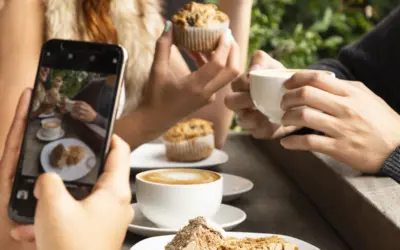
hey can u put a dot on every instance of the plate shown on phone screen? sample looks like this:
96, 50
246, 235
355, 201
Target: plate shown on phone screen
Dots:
69, 172
152, 156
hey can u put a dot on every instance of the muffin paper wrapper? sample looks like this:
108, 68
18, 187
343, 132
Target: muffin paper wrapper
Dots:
190, 150
199, 39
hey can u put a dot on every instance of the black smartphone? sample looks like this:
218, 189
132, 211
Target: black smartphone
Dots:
70, 121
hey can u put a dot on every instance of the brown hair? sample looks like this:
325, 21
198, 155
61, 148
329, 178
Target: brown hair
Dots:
97, 20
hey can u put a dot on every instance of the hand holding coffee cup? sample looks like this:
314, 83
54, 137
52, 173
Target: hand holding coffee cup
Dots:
51, 127
267, 89
171, 197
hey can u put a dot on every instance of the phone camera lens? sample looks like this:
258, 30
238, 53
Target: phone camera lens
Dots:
48, 54
92, 58
115, 60
70, 56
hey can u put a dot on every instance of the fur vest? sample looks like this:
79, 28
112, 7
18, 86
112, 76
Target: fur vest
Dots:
136, 21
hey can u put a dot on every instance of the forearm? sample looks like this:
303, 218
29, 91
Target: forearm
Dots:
219, 115
22, 21
239, 12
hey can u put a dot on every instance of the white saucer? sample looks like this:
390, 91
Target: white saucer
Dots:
41, 137
158, 243
152, 156
228, 217
234, 187
43, 115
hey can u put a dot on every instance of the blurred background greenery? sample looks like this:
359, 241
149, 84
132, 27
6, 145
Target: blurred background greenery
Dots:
300, 32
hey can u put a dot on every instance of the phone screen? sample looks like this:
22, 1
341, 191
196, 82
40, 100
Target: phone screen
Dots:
69, 121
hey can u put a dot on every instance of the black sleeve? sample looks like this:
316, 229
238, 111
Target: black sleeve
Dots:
391, 167
373, 60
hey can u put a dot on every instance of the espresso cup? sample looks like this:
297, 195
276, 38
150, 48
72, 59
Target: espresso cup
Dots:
171, 197
266, 89
51, 127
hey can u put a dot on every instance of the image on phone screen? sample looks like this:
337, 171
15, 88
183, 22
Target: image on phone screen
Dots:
68, 126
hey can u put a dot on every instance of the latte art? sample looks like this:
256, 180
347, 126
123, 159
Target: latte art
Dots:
181, 177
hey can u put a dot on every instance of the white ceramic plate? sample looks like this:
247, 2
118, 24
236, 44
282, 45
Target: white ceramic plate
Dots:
73, 172
158, 243
41, 137
234, 187
152, 156
228, 217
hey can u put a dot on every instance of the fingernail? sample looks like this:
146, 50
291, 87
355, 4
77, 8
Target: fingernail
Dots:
15, 235
167, 26
255, 67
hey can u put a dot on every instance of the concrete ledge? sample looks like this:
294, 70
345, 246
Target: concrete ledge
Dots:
365, 211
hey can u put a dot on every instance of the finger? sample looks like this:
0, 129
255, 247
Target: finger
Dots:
239, 100
163, 49
23, 233
253, 119
219, 59
14, 138
311, 142
318, 80
50, 188
228, 74
261, 60
312, 97
242, 83
115, 176
199, 58
314, 119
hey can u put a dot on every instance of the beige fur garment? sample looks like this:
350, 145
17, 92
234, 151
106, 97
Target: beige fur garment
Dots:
137, 23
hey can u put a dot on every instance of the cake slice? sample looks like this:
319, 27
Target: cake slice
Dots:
197, 235
264, 243
58, 156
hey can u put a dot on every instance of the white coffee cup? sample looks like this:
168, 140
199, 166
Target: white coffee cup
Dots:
171, 197
69, 105
266, 89
51, 127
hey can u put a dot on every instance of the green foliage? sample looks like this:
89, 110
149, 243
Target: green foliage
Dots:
298, 33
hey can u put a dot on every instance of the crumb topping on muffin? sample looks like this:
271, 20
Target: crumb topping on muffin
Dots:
199, 15
188, 130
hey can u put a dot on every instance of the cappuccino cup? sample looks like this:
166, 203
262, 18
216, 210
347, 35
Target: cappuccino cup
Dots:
266, 89
51, 127
171, 197
69, 105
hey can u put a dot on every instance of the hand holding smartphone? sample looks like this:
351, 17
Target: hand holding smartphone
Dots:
70, 120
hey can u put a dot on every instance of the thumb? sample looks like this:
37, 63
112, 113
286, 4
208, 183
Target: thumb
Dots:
23, 233
50, 188
163, 48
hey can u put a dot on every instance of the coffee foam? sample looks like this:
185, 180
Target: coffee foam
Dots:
181, 177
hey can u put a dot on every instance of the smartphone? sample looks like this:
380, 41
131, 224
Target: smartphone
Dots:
70, 121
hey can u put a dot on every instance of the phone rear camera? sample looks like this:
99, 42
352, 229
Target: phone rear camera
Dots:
92, 58
70, 56
48, 53
115, 60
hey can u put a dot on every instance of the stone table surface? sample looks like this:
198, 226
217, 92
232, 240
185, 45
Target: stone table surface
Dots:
275, 205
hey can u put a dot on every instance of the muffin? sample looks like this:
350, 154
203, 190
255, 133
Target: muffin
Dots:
198, 27
189, 141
